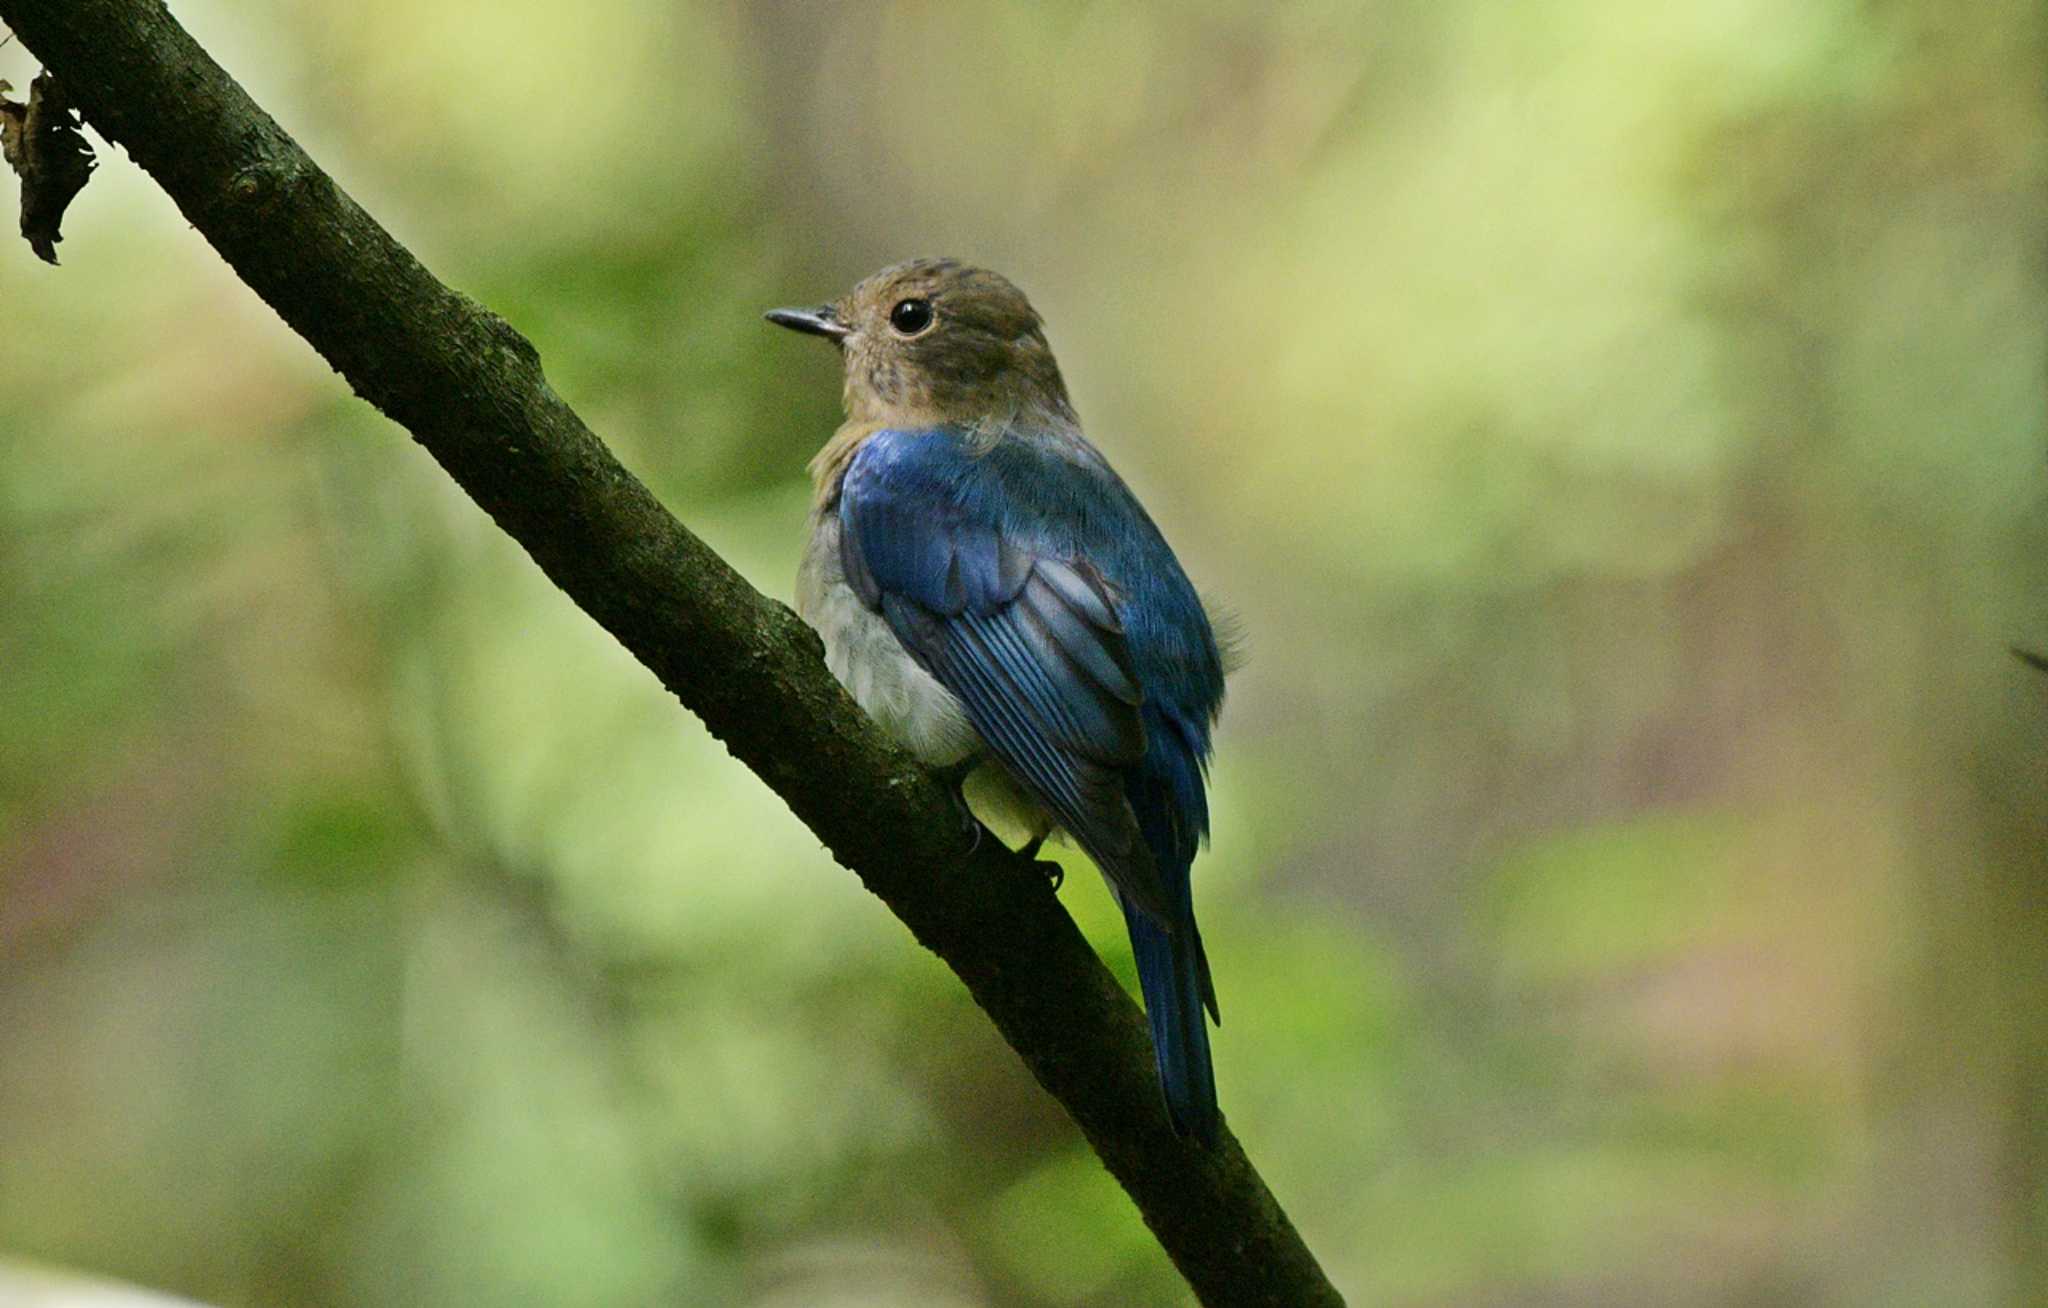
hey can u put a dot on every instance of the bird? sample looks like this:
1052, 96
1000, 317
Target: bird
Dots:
994, 596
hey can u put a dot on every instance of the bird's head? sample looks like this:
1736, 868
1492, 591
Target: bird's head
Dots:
934, 340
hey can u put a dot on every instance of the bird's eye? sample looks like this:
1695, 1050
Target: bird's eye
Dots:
910, 317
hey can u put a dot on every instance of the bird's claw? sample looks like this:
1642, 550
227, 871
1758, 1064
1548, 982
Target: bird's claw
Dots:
1051, 871
970, 825
955, 777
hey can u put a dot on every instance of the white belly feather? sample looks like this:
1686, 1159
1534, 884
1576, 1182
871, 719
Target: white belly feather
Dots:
909, 704
872, 664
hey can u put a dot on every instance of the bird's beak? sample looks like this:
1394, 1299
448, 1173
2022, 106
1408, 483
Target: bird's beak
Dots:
821, 321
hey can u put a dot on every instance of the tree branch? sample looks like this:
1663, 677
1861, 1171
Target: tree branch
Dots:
470, 390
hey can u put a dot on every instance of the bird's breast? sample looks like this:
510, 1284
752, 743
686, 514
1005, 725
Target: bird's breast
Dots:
872, 664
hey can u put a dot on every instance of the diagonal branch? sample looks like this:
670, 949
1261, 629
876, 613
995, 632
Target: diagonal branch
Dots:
470, 390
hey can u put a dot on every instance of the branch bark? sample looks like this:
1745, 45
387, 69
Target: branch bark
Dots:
470, 390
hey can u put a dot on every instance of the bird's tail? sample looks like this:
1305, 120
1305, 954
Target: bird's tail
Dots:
1175, 978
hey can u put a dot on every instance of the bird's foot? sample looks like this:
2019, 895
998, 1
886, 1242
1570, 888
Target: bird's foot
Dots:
955, 777
1054, 874
1048, 869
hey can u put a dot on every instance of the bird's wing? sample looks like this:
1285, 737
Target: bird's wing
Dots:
1024, 633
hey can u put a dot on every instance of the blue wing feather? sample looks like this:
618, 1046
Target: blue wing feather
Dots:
1026, 578
1045, 679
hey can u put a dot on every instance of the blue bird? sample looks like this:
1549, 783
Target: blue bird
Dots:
991, 592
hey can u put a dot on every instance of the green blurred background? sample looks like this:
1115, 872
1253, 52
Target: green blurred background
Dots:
1622, 429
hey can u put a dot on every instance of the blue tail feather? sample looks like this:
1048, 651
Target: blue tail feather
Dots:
1170, 972
1166, 794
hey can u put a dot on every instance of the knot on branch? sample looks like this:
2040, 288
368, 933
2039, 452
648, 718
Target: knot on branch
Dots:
267, 183
511, 344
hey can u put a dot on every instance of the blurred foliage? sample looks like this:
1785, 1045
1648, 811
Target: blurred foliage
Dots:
1621, 429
